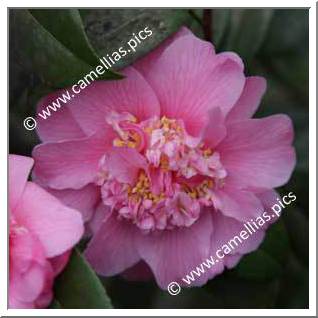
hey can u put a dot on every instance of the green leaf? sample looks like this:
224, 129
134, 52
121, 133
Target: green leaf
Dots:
221, 23
41, 52
56, 21
288, 33
79, 287
294, 286
110, 29
267, 262
55, 305
228, 291
259, 266
276, 243
248, 28
298, 230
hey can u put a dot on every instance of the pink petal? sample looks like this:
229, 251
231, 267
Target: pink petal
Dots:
200, 80
239, 204
112, 249
132, 94
83, 200
59, 262
258, 152
234, 57
17, 304
70, 164
125, 163
29, 269
19, 169
250, 99
215, 130
230, 261
226, 229
102, 213
26, 287
58, 227
268, 199
173, 254
45, 298
61, 125
146, 62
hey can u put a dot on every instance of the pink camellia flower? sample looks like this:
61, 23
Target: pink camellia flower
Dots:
42, 232
169, 158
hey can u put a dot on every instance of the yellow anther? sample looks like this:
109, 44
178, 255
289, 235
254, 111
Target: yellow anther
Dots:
148, 130
131, 144
193, 194
164, 162
119, 143
207, 152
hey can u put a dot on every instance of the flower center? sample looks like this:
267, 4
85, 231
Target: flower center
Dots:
181, 174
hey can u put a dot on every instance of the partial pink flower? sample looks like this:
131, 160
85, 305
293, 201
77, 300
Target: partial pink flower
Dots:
42, 233
177, 161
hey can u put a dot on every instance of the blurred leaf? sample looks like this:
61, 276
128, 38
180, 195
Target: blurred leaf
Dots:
38, 50
302, 146
109, 29
195, 23
276, 243
232, 292
298, 231
248, 28
126, 294
285, 50
56, 21
221, 23
197, 298
294, 287
266, 262
79, 287
55, 305
288, 33
259, 266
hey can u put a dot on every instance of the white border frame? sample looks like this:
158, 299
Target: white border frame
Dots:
312, 161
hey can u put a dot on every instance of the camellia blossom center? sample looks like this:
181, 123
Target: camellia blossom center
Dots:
178, 179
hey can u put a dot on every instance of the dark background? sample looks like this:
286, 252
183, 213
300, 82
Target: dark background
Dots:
272, 43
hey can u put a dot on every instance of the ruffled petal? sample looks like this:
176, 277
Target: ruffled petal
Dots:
19, 169
57, 227
227, 229
258, 152
215, 130
83, 200
125, 163
145, 63
239, 204
199, 81
61, 124
70, 164
250, 99
131, 94
112, 249
173, 254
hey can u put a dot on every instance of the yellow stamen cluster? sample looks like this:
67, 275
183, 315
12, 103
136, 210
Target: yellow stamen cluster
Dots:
207, 153
164, 163
199, 191
142, 190
132, 141
169, 124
